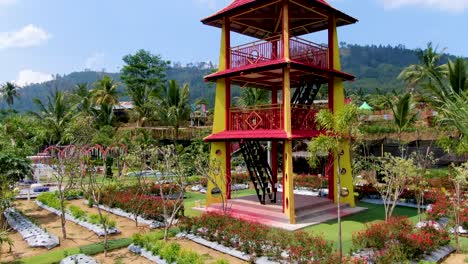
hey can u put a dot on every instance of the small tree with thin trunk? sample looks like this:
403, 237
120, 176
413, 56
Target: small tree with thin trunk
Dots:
95, 183
397, 175
66, 172
210, 170
459, 181
338, 129
165, 162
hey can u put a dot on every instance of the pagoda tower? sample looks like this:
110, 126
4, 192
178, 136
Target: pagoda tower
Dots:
293, 69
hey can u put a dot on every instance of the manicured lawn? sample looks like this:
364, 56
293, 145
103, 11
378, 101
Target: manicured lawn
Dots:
193, 198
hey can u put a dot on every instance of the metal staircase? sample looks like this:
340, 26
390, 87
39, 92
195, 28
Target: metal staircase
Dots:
305, 94
255, 157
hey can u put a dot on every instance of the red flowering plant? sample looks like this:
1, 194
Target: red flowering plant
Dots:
310, 181
398, 238
240, 178
259, 240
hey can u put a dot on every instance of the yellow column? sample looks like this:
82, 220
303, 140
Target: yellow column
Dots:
218, 154
338, 103
288, 176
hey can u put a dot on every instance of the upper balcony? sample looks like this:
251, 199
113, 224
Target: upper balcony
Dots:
263, 52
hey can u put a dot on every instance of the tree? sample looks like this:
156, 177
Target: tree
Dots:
67, 172
397, 175
144, 75
339, 128
174, 108
9, 92
85, 104
252, 97
55, 115
165, 160
403, 116
105, 92
429, 63
459, 180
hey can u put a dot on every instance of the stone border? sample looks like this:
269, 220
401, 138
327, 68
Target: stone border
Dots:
223, 249
380, 201
92, 227
31, 233
78, 259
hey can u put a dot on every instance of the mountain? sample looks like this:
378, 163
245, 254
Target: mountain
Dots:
374, 66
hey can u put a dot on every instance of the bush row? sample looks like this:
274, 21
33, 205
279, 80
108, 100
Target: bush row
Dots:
397, 240
259, 240
51, 199
169, 251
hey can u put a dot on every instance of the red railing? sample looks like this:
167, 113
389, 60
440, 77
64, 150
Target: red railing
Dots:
307, 52
263, 51
270, 117
255, 118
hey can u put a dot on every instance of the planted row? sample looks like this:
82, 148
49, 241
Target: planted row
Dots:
398, 240
259, 240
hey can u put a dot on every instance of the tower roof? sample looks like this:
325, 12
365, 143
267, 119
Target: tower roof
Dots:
262, 18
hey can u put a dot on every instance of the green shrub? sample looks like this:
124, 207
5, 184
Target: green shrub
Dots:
97, 248
221, 261
73, 194
94, 219
76, 212
50, 199
156, 247
97, 220
170, 252
137, 239
189, 257
90, 202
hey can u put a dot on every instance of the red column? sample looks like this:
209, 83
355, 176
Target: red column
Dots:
331, 94
228, 108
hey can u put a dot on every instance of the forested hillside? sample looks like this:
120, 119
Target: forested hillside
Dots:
374, 67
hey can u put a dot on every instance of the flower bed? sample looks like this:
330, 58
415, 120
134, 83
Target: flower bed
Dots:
397, 240
74, 214
31, 233
258, 240
152, 247
147, 206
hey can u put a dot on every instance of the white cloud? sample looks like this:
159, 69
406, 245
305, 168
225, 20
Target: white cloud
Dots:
447, 5
26, 77
95, 61
28, 36
210, 4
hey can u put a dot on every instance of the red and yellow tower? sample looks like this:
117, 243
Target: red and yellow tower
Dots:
293, 69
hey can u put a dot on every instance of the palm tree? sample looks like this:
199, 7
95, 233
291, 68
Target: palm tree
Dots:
429, 62
105, 92
174, 108
339, 128
253, 96
55, 114
9, 92
403, 115
85, 104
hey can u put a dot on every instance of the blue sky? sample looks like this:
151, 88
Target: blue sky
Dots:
43, 37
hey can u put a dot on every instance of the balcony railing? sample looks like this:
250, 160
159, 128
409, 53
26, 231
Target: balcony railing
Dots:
263, 51
270, 117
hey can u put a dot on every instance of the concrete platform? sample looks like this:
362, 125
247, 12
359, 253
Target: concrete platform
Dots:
310, 211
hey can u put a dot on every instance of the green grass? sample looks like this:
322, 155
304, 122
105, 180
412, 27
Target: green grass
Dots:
437, 172
193, 198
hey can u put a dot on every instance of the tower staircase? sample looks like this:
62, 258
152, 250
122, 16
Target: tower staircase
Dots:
306, 92
261, 175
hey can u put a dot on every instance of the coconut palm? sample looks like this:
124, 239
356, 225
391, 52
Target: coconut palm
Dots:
105, 92
85, 104
403, 115
252, 96
339, 128
174, 108
55, 114
429, 62
9, 92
